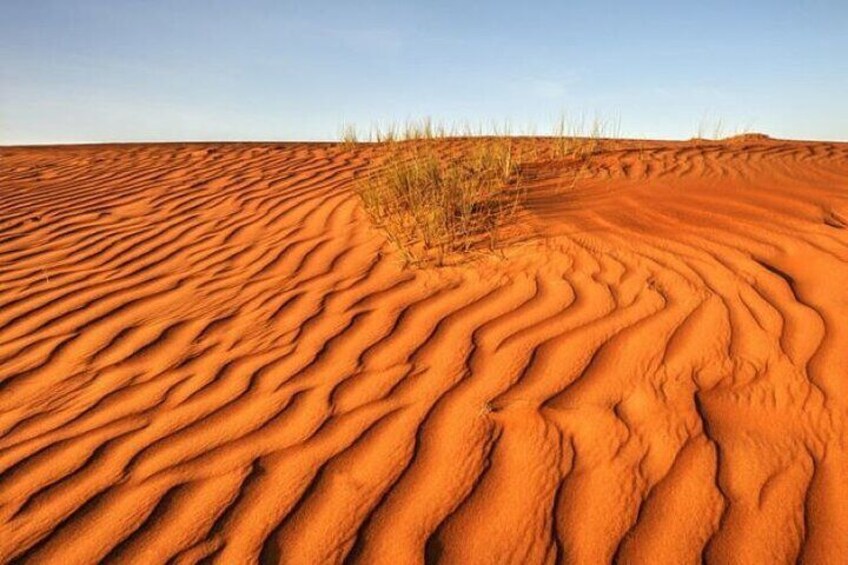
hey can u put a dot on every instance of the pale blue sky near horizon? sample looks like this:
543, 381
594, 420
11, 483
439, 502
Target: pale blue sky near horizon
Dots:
134, 70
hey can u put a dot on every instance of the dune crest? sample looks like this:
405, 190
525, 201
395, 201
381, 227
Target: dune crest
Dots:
207, 352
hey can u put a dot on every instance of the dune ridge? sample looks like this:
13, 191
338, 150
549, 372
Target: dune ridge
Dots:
207, 354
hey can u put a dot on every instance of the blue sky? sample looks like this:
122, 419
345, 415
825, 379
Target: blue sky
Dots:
110, 70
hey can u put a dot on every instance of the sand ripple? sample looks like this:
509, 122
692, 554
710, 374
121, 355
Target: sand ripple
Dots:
206, 352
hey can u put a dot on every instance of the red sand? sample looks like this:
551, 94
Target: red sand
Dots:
207, 351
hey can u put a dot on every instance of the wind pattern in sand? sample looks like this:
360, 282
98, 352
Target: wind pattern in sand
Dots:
207, 353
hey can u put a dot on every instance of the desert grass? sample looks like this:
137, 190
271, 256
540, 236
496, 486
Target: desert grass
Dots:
715, 131
710, 132
443, 193
573, 142
578, 139
349, 136
438, 197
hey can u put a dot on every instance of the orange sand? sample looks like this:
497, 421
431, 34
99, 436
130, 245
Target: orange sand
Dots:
206, 351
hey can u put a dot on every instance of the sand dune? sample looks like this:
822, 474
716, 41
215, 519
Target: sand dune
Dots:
208, 353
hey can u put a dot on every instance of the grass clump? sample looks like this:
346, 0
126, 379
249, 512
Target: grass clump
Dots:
437, 197
441, 193
349, 136
574, 139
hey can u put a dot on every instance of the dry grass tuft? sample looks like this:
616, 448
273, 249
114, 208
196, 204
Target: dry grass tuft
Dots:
573, 139
441, 193
349, 136
437, 197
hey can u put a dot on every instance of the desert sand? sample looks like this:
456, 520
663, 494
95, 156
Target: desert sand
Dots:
208, 353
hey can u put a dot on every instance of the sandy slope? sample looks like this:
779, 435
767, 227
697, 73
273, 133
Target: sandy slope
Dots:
207, 352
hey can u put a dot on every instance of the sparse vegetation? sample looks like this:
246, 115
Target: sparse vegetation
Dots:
349, 135
717, 131
712, 129
440, 193
573, 139
436, 199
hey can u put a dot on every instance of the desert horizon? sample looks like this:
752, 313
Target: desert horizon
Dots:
423, 282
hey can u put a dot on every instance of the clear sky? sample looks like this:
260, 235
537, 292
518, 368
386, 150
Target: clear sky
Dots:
102, 70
